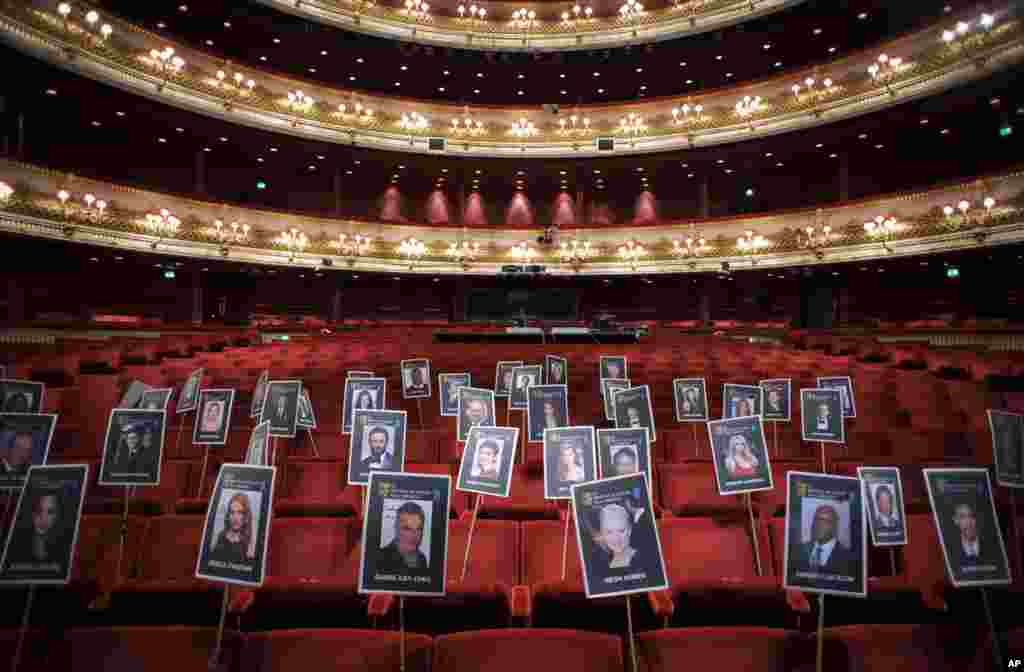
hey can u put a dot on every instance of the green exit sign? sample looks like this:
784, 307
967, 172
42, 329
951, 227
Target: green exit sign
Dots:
1005, 131
952, 272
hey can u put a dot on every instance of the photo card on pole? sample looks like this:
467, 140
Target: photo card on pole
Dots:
377, 444
404, 549
556, 370
476, 409
132, 394
233, 548
741, 400
41, 540
523, 377
691, 399
613, 366
281, 407
25, 440
21, 396
503, 377
740, 454
569, 458
189, 396
883, 496
777, 394
625, 451
1007, 431
609, 386
487, 459
307, 416
547, 407
133, 447
363, 394
259, 394
844, 383
968, 525
821, 415
156, 399
618, 542
415, 378
259, 445
633, 409
448, 385
213, 417
826, 537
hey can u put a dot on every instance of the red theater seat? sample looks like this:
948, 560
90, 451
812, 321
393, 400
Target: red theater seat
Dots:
525, 501
690, 489
316, 488
341, 650
511, 649
920, 648
741, 649
171, 648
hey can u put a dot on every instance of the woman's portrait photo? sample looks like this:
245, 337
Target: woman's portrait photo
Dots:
547, 407
233, 538
740, 456
366, 394
213, 418
569, 458
740, 461
487, 459
21, 396
236, 531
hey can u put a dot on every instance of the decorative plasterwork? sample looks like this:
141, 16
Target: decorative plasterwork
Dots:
928, 65
920, 226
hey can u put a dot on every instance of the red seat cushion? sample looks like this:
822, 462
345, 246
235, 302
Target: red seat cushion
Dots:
372, 650
509, 650
740, 649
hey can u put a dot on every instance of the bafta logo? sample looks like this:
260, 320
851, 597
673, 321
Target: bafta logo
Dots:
385, 488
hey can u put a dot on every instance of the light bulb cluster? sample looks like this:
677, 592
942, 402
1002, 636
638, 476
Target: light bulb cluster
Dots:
574, 125
236, 83
355, 113
691, 246
93, 206
524, 18
882, 226
232, 233
578, 13
417, 9
297, 101
813, 87
412, 250
474, 12
751, 241
632, 124
293, 240
468, 126
631, 10
964, 208
749, 105
688, 114
103, 31
632, 253
523, 252
463, 252
523, 128
352, 245
413, 121
163, 223
165, 61
885, 67
576, 252
954, 35
816, 236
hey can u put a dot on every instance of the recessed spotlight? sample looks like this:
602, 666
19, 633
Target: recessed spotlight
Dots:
768, 155
597, 74
689, 81
209, 43
690, 175
728, 75
312, 70
161, 25
277, 40
862, 16
476, 90
356, 162
944, 131
879, 146
597, 171
223, 139
359, 60
520, 76
778, 64
161, 140
263, 58
819, 146
947, 9
446, 73
401, 167
404, 68
323, 52
348, 172
833, 155
600, 90
351, 78
728, 171
643, 87
444, 170
259, 159
273, 149
562, 76
227, 24
767, 46
832, 50
779, 164
51, 92
563, 92
682, 64
480, 75
119, 113
96, 124
685, 165
182, 8
924, 121
720, 161
440, 89
519, 93
398, 83
863, 136
719, 57
639, 69
320, 157
207, 149
994, 101
311, 167
817, 31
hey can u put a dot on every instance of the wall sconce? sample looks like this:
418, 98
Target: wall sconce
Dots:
748, 106
417, 9
294, 241
632, 124
414, 122
463, 253
468, 126
522, 252
693, 245
814, 88
5, 192
751, 242
681, 115
521, 128
352, 246
576, 253
575, 125
355, 113
412, 250
632, 253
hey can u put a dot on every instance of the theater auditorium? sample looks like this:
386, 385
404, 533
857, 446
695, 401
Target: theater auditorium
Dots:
474, 335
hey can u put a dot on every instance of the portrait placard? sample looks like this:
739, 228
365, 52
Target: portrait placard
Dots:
503, 377
377, 444
307, 416
844, 383
281, 407
41, 542
620, 551
739, 401
569, 458
969, 531
777, 394
547, 407
133, 394
259, 445
24, 442
821, 415
633, 409
613, 366
740, 455
883, 495
237, 528
826, 538
360, 374
133, 448
368, 394
404, 547
556, 370
213, 421
21, 396
609, 386
691, 398
415, 378
259, 394
156, 399
487, 460
476, 409
1007, 447
522, 378
621, 452
189, 396
448, 385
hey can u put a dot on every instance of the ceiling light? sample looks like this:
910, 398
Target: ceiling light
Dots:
259, 159
161, 139
720, 161
879, 146
398, 83
446, 73
480, 75
440, 89
96, 124
277, 40
359, 60
719, 57
778, 64
817, 31
832, 50
768, 155
819, 146
323, 52
161, 25
51, 92
207, 149
600, 90
779, 164
597, 74
689, 81
728, 74
223, 139
351, 78
519, 92
944, 131
862, 16
476, 90
273, 149
312, 70
863, 136
520, 76
639, 69
563, 92
209, 43
767, 46
263, 58
682, 64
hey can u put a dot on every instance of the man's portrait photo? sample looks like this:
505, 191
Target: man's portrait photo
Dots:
633, 410
621, 452
133, 448
24, 441
776, 395
21, 396
547, 407
259, 443
236, 531
41, 541
476, 409
522, 378
189, 397
845, 385
740, 455
556, 370
487, 460
378, 444
361, 394
415, 378
281, 407
883, 494
691, 399
568, 459
609, 386
404, 543
156, 399
740, 401
259, 394
968, 525
503, 378
307, 417
448, 397
825, 549
613, 366
620, 551
213, 418
821, 415
1007, 431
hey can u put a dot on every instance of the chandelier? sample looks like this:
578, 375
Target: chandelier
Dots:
985, 22
632, 124
352, 246
812, 87
232, 234
631, 10
684, 110
577, 14
294, 241
576, 125
693, 245
412, 250
417, 9
240, 86
523, 252
298, 101
748, 105
575, 253
356, 112
163, 224
524, 18
165, 62
463, 253
467, 126
632, 252
414, 121
521, 128
964, 208
882, 227
885, 69
751, 242
475, 13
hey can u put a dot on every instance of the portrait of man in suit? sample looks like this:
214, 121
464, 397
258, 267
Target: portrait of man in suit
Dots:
970, 549
402, 554
381, 453
885, 517
824, 553
556, 372
18, 458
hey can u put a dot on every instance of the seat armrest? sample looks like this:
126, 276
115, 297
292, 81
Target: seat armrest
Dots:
521, 605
